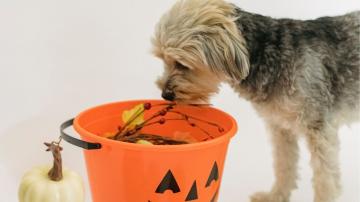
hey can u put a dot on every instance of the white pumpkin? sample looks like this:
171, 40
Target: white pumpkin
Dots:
36, 186
51, 183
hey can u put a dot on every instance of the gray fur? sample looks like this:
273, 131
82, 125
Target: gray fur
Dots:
303, 79
315, 62
301, 76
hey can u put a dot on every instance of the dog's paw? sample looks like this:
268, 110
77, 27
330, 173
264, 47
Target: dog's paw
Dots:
268, 197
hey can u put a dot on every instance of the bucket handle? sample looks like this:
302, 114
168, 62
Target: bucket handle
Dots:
74, 141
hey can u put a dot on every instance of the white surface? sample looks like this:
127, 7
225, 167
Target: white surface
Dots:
59, 57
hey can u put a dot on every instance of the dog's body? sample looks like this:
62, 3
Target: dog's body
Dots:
301, 76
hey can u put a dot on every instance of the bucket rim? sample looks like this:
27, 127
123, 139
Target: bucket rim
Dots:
132, 146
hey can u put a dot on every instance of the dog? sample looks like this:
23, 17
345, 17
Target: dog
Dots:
302, 77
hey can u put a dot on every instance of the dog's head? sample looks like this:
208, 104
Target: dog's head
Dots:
201, 46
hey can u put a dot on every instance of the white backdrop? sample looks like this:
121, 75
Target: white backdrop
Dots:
59, 57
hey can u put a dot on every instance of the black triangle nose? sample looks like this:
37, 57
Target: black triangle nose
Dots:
168, 95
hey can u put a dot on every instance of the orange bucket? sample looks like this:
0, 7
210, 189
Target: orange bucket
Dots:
127, 172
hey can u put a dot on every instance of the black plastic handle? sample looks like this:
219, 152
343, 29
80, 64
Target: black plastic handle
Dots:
74, 141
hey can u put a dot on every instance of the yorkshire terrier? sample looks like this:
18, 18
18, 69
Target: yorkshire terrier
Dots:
302, 77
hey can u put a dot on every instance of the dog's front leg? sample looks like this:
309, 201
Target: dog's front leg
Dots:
285, 166
324, 148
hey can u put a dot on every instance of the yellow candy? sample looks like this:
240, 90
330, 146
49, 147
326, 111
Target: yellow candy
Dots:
144, 142
128, 115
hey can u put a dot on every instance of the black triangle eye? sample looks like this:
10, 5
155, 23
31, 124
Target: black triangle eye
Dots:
168, 182
214, 175
193, 194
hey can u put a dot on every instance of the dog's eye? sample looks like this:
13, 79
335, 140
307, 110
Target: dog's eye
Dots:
180, 66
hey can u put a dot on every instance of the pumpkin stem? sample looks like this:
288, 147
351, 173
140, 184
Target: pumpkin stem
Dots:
55, 173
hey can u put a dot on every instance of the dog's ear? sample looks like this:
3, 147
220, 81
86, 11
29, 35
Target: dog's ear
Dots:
204, 33
226, 53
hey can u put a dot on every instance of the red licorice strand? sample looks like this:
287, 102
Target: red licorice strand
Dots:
197, 119
137, 114
131, 132
180, 119
157, 122
169, 106
163, 112
204, 131
197, 126
162, 104
165, 120
186, 118
155, 115
139, 127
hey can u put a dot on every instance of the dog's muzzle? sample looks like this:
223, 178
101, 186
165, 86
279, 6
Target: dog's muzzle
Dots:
168, 95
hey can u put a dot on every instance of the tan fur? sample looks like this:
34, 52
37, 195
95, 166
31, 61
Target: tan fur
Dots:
176, 39
202, 36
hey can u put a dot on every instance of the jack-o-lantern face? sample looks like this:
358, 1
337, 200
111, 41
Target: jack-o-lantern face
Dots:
169, 182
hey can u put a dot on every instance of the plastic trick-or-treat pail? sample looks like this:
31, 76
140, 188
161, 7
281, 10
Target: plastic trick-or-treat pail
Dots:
128, 172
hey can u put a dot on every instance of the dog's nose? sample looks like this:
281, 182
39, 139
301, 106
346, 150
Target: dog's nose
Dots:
168, 95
